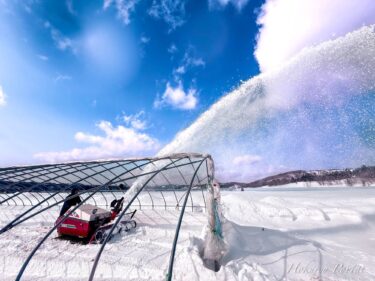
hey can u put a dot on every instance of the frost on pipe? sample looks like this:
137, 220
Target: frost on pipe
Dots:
173, 183
214, 246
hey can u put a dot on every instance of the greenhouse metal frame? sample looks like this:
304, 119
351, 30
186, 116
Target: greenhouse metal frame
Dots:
41, 187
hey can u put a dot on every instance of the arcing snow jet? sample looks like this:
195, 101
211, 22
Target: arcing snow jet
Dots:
315, 111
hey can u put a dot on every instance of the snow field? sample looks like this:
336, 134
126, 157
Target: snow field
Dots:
301, 233
271, 233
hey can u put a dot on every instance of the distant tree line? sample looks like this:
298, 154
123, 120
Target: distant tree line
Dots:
364, 175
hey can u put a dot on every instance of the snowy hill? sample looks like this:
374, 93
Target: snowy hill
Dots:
363, 176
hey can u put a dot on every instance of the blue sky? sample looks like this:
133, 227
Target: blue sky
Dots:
261, 85
67, 66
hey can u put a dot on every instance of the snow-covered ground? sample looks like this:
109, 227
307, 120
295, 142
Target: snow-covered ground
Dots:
272, 234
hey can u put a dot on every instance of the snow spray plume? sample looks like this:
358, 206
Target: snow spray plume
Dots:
288, 26
316, 111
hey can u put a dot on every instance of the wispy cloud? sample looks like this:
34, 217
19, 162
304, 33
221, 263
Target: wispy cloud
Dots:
172, 49
62, 42
215, 4
170, 11
180, 70
28, 9
189, 61
124, 8
62, 77
107, 3
69, 5
136, 121
114, 142
177, 97
2, 97
145, 39
42, 57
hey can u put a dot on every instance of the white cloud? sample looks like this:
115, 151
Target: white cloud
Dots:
124, 8
145, 39
28, 9
106, 4
190, 60
178, 98
69, 5
239, 4
288, 26
180, 70
2, 97
172, 49
196, 62
136, 121
43, 57
62, 77
120, 141
171, 11
62, 42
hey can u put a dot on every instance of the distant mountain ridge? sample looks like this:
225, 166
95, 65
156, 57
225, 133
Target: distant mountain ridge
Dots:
364, 176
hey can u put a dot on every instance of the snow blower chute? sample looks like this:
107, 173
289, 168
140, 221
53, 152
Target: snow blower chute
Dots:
92, 224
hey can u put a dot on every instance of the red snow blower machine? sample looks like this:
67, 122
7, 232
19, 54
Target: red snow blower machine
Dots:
91, 224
